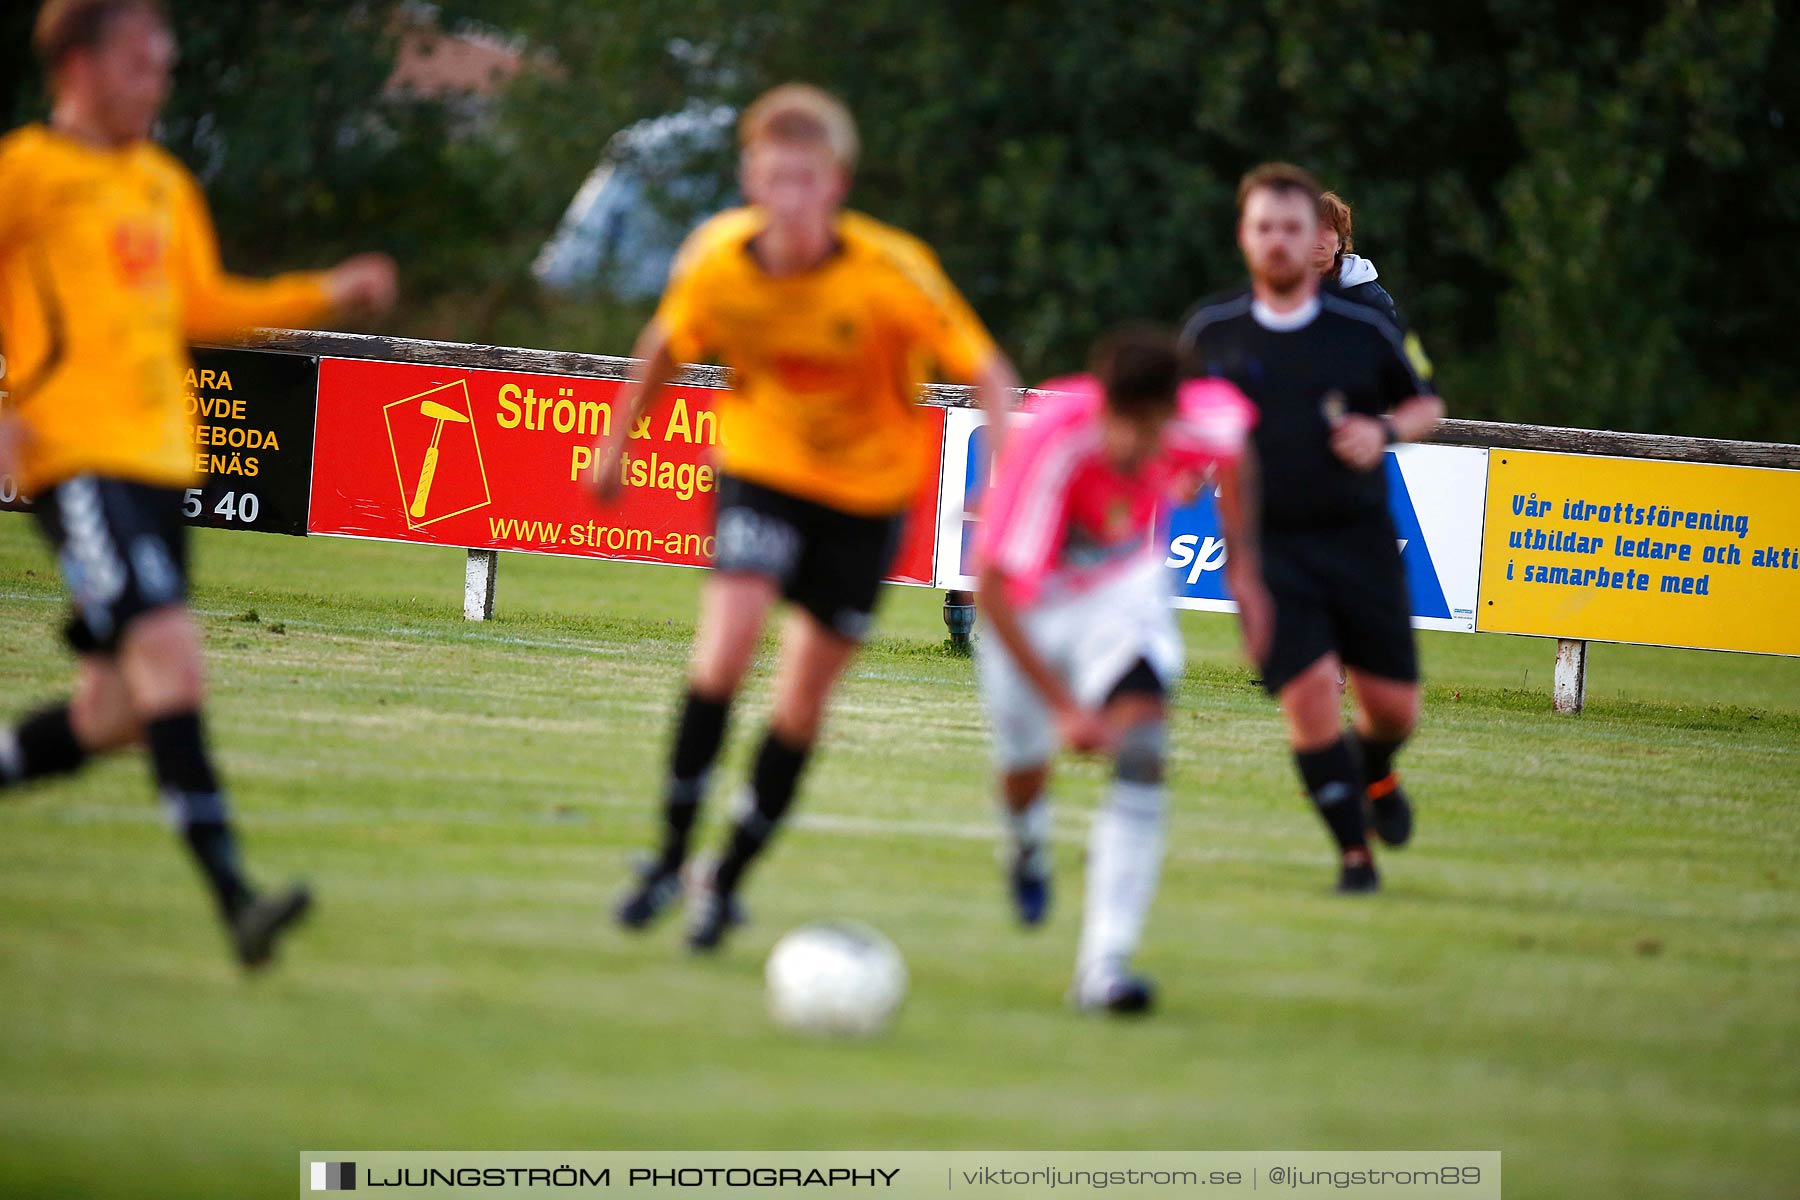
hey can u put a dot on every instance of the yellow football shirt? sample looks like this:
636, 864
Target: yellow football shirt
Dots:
827, 363
108, 267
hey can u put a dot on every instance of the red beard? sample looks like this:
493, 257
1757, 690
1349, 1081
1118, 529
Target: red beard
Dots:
1281, 275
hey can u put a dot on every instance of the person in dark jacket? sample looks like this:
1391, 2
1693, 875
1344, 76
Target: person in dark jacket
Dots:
1348, 275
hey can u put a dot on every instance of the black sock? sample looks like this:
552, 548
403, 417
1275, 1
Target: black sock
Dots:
778, 767
41, 744
699, 733
1335, 785
184, 775
1377, 756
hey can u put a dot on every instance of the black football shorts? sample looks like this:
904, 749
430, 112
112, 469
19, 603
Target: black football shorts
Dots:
828, 562
1340, 590
122, 548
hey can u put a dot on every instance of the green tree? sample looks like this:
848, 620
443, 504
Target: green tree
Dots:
1592, 213
1651, 221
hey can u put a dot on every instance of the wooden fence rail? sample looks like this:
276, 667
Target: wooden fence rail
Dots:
1493, 434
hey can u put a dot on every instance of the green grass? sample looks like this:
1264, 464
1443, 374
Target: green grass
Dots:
1589, 961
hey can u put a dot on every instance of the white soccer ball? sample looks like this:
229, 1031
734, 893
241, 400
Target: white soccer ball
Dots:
836, 977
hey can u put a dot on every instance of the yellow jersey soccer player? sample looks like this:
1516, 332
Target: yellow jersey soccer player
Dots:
829, 320
108, 266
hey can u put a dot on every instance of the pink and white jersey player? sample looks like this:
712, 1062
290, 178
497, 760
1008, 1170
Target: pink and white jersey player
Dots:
1080, 640
1062, 516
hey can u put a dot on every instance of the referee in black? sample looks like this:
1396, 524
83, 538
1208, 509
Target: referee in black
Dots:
1336, 383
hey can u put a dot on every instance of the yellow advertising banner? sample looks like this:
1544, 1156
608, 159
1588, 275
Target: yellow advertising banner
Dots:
1633, 550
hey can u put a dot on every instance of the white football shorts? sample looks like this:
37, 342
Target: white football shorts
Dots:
1090, 640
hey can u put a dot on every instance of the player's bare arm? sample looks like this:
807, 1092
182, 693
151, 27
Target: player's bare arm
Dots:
1417, 419
997, 389
1360, 440
658, 368
364, 284
1239, 494
12, 444
1081, 729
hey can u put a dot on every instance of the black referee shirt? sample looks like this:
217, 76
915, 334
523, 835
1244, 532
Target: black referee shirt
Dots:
1299, 368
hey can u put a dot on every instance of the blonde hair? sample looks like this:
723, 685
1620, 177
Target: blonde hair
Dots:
65, 26
801, 114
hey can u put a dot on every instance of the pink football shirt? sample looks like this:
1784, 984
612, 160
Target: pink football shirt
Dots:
1059, 518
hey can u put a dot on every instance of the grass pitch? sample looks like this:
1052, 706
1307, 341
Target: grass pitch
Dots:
1589, 960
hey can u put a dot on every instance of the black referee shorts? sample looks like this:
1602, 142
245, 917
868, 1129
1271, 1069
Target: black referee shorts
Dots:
122, 547
1338, 590
828, 562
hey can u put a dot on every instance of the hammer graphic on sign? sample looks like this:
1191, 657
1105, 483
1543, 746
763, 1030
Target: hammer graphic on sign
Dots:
441, 413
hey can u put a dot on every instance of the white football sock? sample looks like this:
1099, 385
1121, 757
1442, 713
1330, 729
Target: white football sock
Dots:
1031, 825
1125, 850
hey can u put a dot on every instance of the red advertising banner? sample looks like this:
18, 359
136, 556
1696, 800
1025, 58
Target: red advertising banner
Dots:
500, 460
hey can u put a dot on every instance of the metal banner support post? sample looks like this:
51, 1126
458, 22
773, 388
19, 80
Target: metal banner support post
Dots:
959, 619
1568, 689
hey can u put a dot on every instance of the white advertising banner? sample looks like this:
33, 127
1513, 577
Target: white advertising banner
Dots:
1437, 496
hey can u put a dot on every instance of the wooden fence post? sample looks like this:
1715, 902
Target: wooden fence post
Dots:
1568, 690
480, 575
